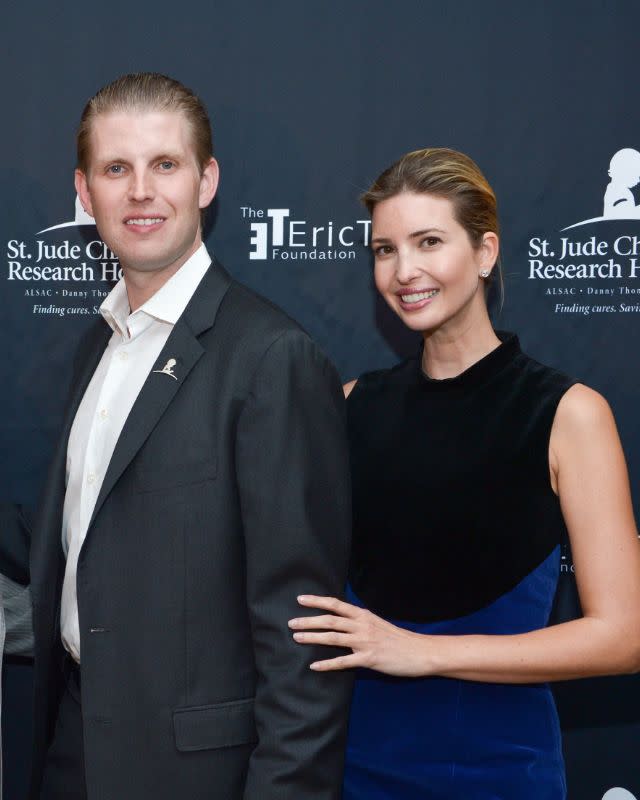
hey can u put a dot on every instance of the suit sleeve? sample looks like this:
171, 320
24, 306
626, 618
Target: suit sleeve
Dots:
293, 478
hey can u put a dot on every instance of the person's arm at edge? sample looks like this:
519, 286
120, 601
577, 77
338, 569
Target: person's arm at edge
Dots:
15, 524
18, 618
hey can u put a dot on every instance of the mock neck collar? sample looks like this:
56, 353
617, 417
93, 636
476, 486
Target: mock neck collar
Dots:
481, 370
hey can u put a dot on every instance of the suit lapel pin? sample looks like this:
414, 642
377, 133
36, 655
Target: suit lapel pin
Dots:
168, 369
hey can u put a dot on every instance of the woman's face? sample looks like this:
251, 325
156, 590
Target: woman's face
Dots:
425, 266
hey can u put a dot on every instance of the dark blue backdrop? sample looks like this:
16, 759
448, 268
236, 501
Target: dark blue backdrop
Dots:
309, 101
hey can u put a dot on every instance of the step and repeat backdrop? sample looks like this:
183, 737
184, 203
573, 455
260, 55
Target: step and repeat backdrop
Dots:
309, 102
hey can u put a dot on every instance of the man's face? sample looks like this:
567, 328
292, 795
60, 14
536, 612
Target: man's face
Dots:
145, 189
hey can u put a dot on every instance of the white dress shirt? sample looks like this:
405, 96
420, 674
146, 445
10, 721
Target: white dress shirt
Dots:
133, 349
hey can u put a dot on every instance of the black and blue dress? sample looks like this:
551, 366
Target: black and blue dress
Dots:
456, 531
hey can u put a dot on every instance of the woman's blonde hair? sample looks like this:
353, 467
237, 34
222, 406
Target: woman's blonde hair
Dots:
445, 173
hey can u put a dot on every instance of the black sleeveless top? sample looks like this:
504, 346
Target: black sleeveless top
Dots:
452, 502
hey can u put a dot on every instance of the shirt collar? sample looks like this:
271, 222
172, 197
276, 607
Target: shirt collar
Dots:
166, 305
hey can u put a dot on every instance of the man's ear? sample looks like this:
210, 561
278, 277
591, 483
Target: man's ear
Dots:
82, 188
209, 183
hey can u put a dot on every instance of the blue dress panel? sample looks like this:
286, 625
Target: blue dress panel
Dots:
456, 531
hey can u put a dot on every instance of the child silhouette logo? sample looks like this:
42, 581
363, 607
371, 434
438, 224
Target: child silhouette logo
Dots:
622, 193
624, 171
168, 369
618, 794
80, 218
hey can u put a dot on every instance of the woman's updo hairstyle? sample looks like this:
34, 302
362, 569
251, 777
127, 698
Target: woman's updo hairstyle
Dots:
447, 173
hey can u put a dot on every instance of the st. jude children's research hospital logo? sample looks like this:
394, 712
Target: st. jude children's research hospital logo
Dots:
64, 266
596, 269
50, 259
617, 793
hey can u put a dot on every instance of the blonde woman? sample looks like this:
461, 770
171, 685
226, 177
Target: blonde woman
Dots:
468, 463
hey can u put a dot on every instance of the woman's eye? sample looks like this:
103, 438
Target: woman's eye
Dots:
431, 241
382, 250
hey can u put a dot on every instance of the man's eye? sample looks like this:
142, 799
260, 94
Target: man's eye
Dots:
166, 165
115, 169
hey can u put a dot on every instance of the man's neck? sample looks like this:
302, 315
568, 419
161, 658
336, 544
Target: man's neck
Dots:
142, 285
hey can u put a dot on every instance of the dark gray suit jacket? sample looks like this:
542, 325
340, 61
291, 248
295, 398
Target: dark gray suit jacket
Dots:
226, 496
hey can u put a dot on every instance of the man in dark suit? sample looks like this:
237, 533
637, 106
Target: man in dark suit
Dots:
200, 484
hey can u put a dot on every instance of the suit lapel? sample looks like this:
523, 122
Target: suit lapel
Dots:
46, 550
89, 356
95, 348
165, 379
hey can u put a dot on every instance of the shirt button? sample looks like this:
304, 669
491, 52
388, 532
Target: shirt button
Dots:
91, 477
104, 413
123, 355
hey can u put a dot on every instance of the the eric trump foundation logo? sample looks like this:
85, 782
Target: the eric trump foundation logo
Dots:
275, 235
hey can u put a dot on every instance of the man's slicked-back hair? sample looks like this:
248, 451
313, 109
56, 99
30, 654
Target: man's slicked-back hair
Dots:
147, 91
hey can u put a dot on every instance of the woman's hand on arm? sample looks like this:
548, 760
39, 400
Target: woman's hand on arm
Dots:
376, 644
589, 471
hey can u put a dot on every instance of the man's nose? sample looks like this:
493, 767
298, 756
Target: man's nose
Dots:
141, 186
